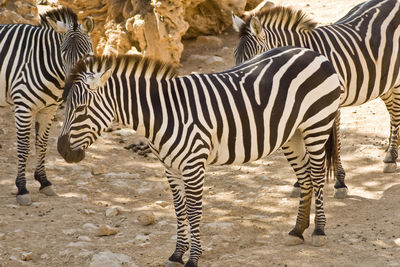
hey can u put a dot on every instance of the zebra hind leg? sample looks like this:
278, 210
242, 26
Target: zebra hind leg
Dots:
42, 127
317, 171
392, 102
296, 155
340, 188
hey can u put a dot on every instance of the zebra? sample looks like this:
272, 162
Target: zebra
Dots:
285, 98
35, 61
363, 46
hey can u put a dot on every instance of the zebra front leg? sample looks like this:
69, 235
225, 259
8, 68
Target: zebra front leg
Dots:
193, 178
392, 102
340, 188
42, 127
23, 121
182, 242
298, 158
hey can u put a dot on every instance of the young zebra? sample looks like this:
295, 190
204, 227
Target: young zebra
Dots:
34, 62
363, 47
287, 97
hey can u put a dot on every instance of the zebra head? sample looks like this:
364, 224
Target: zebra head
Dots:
86, 113
269, 28
75, 41
253, 39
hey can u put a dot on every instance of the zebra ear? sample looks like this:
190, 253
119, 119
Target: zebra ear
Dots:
58, 26
256, 27
88, 25
237, 22
98, 79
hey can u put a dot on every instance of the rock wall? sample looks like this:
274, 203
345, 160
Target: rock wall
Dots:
12, 11
155, 28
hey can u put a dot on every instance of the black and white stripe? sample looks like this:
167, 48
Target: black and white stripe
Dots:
286, 98
363, 46
34, 63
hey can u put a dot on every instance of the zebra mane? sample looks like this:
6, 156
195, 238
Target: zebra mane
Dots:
64, 14
275, 16
91, 64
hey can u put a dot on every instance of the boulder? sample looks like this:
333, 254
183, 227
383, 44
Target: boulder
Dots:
12, 11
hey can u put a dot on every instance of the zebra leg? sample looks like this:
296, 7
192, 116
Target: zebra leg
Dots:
298, 158
392, 102
340, 188
318, 169
193, 178
182, 242
23, 121
42, 127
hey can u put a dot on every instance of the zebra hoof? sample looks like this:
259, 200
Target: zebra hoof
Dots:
340, 193
24, 200
174, 264
389, 167
295, 192
319, 240
292, 240
48, 191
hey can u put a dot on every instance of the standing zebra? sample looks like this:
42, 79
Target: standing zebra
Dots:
363, 46
287, 97
34, 63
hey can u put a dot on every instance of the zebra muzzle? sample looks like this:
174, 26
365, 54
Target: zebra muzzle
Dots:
64, 148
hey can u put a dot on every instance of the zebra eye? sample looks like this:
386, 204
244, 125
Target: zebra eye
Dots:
80, 108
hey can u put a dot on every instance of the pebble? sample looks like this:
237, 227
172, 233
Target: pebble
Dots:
89, 226
106, 230
84, 238
112, 212
78, 244
69, 231
44, 256
214, 60
109, 259
89, 211
2, 236
397, 241
99, 169
26, 256
146, 218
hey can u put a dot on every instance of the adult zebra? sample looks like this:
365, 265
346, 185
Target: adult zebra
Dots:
287, 97
363, 46
33, 66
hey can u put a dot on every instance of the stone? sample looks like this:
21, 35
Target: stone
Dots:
19, 12
112, 212
214, 60
146, 218
105, 230
90, 226
2, 236
44, 256
110, 259
26, 256
69, 231
84, 238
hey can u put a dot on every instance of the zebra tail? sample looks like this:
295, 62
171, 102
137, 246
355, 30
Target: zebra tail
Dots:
332, 153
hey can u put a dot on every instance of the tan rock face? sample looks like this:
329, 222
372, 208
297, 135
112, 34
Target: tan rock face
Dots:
12, 11
154, 28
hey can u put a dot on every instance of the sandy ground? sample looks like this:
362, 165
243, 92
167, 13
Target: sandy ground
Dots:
247, 209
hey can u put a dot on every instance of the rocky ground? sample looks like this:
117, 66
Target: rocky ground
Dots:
115, 207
